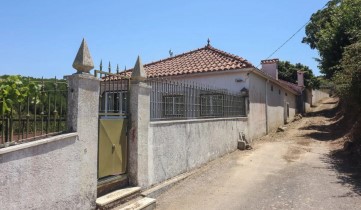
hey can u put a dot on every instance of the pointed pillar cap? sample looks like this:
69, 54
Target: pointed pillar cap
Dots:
83, 61
139, 73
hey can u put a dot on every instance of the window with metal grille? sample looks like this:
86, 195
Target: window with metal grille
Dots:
212, 104
173, 105
114, 102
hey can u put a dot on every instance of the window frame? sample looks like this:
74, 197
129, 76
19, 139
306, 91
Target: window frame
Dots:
173, 104
120, 103
211, 111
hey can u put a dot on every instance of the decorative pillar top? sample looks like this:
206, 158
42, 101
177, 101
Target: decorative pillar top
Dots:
139, 73
83, 61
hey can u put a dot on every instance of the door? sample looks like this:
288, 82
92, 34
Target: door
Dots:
112, 159
113, 125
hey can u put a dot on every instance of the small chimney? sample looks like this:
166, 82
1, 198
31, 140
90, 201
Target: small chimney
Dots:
270, 67
300, 78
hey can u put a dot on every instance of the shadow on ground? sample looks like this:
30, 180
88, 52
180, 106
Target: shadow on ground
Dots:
343, 161
336, 127
349, 173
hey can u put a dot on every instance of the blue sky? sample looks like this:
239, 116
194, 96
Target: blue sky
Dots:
41, 38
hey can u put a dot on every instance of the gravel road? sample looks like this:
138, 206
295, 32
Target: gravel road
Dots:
289, 170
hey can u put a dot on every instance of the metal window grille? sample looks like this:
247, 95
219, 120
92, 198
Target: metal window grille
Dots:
187, 100
173, 106
212, 104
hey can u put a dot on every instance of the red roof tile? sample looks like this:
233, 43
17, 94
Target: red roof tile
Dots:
293, 86
206, 59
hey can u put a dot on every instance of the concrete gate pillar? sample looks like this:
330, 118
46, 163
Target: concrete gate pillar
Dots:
140, 117
83, 105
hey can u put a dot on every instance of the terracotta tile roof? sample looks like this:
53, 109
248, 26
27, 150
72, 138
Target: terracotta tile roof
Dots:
270, 61
206, 59
293, 86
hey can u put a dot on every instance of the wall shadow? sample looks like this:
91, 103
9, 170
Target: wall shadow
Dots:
342, 161
338, 127
349, 174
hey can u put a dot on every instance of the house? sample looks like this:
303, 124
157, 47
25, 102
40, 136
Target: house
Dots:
270, 102
142, 132
200, 105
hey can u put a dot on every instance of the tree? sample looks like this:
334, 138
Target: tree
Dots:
14, 91
288, 72
349, 79
331, 30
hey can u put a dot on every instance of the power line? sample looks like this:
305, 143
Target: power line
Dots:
289, 39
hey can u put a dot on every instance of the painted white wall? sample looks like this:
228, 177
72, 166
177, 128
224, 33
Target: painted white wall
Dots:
307, 97
224, 80
257, 107
261, 120
318, 95
277, 106
48, 174
257, 90
292, 100
176, 147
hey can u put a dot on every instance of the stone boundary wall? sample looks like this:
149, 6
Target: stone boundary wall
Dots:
179, 146
45, 174
318, 95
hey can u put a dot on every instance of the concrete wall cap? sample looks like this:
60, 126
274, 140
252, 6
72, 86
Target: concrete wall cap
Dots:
36, 143
198, 120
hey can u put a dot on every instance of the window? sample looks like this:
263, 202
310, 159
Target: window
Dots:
211, 104
173, 105
114, 102
285, 94
271, 87
279, 91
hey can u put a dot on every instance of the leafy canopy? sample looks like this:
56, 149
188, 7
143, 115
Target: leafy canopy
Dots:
288, 72
348, 80
332, 29
15, 90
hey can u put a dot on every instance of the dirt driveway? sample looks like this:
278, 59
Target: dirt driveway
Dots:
289, 170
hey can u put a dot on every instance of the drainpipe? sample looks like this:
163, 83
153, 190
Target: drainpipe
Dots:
266, 106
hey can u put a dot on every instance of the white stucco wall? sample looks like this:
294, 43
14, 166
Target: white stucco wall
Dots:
277, 106
47, 174
318, 95
292, 100
257, 89
261, 120
307, 95
223, 80
276, 103
176, 147
257, 107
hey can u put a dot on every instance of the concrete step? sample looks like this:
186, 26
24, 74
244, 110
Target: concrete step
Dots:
142, 203
110, 184
117, 197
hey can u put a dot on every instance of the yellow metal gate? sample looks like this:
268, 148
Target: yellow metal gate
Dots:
113, 126
112, 147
